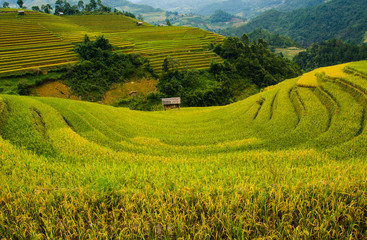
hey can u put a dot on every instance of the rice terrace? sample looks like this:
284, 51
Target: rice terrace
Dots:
288, 162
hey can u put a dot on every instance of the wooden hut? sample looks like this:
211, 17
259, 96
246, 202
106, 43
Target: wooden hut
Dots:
169, 103
61, 14
139, 23
21, 12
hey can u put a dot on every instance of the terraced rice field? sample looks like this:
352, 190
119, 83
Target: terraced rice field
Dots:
287, 163
188, 45
25, 45
43, 40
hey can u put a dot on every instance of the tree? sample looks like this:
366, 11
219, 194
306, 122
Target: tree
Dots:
88, 49
81, 5
99, 3
170, 64
168, 22
245, 39
36, 8
46, 8
20, 3
93, 4
59, 6
5, 5
140, 17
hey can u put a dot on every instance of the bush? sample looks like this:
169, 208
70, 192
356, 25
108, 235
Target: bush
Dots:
100, 68
23, 88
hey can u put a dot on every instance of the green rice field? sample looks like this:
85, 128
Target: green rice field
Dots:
287, 163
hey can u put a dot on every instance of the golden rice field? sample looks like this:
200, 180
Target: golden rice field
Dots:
38, 40
287, 163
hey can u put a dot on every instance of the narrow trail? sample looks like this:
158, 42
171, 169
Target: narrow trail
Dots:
258, 110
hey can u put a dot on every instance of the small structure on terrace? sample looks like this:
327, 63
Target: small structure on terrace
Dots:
169, 103
61, 14
139, 23
21, 12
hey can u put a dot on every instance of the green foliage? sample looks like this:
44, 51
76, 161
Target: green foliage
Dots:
100, 67
330, 52
81, 5
142, 102
20, 3
46, 8
334, 19
220, 16
65, 7
92, 8
140, 17
5, 5
125, 13
255, 61
36, 8
23, 88
98, 49
274, 40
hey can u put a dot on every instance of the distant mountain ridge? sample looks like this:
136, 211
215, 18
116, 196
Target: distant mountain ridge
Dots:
342, 19
243, 8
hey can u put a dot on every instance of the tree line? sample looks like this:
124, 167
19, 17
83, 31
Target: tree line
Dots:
93, 7
330, 52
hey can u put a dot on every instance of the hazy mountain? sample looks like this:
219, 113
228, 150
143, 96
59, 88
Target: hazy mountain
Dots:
244, 8
185, 6
249, 8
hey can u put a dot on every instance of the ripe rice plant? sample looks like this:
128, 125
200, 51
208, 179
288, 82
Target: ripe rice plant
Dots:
287, 163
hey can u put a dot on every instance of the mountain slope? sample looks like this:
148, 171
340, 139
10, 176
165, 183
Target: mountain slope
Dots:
335, 19
250, 9
293, 153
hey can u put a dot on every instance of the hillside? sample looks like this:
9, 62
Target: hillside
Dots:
53, 37
27, 44
334, 19
289, 161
